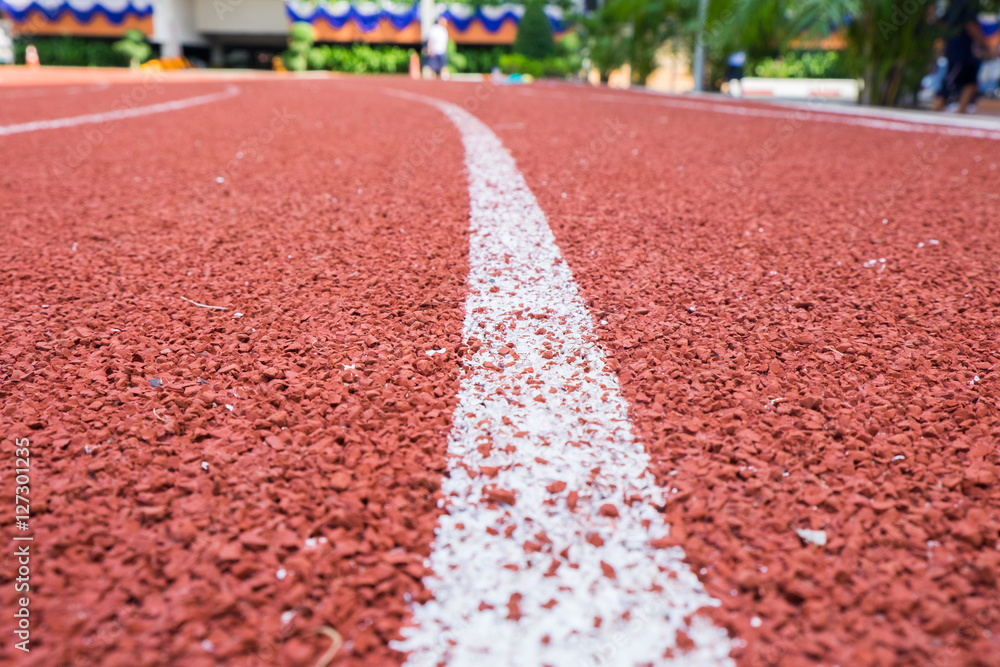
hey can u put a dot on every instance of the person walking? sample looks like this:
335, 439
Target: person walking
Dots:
437, 48
965, 48
734, 73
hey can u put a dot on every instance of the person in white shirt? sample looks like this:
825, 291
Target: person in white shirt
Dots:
437, 48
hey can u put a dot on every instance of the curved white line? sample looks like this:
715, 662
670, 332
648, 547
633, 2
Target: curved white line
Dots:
119, 114
51, 91
552, 551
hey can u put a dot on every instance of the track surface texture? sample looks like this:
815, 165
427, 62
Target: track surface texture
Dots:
801, 319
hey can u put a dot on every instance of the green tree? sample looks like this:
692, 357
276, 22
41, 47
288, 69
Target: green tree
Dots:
605, 40
651, 24
134, 47
300, 41
534, 33
887, 46
889, 43
633, 31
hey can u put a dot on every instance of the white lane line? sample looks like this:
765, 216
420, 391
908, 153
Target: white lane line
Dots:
959, 127
119, 114
828, 116
552, 549
49, 91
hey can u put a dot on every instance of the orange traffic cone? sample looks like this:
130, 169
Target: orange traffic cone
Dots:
414, 66
31, 57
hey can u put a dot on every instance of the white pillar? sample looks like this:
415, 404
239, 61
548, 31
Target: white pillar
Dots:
699, 49
166, 31
428, 14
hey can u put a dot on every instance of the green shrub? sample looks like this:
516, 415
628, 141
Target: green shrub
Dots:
363, 58
516, 63
534, 33
300, 42
477, 59
558, 68
134, 47
301, 32
316, 59
71, 51
570, 48
390, 59
802, 65
457, 61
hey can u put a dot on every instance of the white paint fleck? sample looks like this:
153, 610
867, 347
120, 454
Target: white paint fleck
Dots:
817, 537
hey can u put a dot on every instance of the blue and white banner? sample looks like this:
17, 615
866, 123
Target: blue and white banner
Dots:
368, 15
115, 11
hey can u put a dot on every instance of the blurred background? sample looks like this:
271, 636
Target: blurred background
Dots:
877, 52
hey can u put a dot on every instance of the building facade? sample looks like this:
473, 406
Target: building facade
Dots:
180, 27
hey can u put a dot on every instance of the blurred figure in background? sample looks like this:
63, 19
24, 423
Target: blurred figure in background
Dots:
734, 73
989, 71
437, 48
965, 48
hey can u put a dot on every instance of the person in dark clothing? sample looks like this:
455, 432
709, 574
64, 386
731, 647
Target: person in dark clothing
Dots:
964, 49
734, 73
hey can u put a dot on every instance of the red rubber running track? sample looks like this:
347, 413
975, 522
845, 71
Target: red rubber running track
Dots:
802, 316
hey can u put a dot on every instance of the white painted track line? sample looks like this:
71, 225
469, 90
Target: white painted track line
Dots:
548, 552
49, 91
818, 115
119, 114
895, 121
